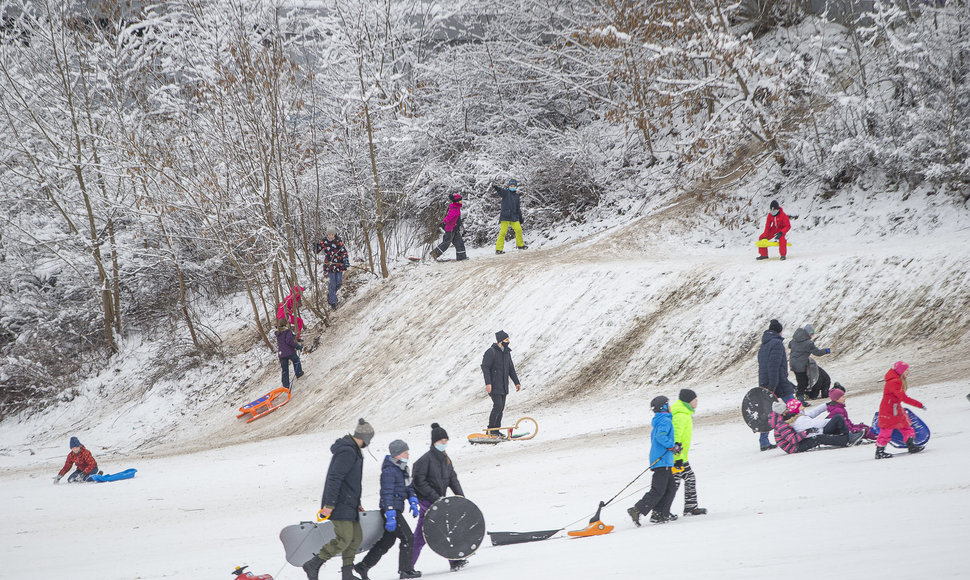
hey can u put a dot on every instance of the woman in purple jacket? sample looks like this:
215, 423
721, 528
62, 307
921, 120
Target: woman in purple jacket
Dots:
451, 226
837, 407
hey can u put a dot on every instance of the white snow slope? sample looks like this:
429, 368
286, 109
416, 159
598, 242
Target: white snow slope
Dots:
599, 326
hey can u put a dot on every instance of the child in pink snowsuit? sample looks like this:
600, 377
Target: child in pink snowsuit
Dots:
287, 309
892, 415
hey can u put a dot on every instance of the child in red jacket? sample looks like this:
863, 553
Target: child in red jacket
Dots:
86, 465
892, 415
776, 226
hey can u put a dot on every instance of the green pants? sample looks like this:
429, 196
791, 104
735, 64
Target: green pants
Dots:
503, 229
349, 537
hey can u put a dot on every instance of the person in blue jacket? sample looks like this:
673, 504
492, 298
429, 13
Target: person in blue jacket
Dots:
395, 488
663, 487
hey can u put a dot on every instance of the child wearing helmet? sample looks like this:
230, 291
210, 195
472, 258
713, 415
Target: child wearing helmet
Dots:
663, 487
451, 226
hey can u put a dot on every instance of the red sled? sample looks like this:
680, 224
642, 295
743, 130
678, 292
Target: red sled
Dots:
240, 572
266, 404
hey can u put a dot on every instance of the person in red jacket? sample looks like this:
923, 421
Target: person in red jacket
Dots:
80, 456
892, 415
776, 227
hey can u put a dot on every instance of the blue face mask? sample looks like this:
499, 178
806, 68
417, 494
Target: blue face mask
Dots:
441, 446
403, 460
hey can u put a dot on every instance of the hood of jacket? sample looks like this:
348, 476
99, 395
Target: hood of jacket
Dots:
770, 335
346, 441
680, 408
801, 335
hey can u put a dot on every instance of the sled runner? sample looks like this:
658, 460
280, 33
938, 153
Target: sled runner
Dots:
126, 474
921, 429
596, 526
454, 527
301, 541
756, 409
525, 428
266, 404
769, 243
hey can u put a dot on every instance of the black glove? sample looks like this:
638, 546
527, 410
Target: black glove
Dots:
317, 247
777, 236
441, 228
679, 464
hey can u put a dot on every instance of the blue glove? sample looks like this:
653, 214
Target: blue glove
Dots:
390, 520
828, 350
414, 506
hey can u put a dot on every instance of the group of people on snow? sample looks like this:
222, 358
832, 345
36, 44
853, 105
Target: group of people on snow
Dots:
510, 215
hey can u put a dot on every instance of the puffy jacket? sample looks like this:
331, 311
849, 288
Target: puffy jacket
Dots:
891, 412
335, 257
836, 408
773, 365
343, 487
801, 347
497, 367
433, 475
453, 217
682, 416
395, 485
785, 436
811, 419
286, 345
661, 440
776, 223
83, 459
288, 306
511, 206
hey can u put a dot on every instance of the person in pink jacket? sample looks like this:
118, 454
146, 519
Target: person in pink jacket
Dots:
452, 231
892, 415
836, 406
288, 307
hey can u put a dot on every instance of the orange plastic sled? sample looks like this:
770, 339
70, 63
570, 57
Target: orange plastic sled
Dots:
266, 404
596, 526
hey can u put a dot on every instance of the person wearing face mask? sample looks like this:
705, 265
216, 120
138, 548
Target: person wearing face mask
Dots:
498, 368
511, 215
433, 475
776, 227
341, 502
395, 488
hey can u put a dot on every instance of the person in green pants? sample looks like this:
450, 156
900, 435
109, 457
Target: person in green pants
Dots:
511, 215
341, 502
682, 412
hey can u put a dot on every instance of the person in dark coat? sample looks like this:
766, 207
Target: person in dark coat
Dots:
511, 215
498, 368
802, 347
663, 487
395, 489
433, 475
335, 262
773, 369
341, 502
286, 347
80, 456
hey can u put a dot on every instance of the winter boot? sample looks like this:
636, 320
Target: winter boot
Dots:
855, 437
769, 447
409, 574
362, 569
695, 511
912, 447
881, 453
782, 258
522, 247
312, 567
656, 518
436, 253
761, 258
347, 573
457, 565
499, 252
634, 515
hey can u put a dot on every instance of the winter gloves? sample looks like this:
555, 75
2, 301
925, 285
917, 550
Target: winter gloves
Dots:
414, 506
390, 520
777, 236
57, 478
828, 350
779, 407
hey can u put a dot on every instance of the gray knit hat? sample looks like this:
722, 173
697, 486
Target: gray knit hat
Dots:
364, 432
397, 447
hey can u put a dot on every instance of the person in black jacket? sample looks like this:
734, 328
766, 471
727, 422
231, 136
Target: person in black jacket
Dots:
511, 215
497, 367
395, 488
341, 502
773, 369
433, 475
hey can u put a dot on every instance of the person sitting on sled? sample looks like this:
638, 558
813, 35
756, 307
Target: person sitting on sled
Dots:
663, 487
776, 227
784, 415
892, 415
836, 408
80, 456
452, 231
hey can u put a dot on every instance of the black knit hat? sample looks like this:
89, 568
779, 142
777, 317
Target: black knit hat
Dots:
658, 403
438, 433
774, 325
501, 335
687, 395
774, 204
364, 432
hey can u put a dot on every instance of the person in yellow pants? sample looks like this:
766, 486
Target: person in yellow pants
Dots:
511, 216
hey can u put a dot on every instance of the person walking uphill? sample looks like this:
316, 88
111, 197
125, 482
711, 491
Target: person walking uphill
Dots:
498, 368
395, 488
776, 226
892, 415
802, 347
773, 369
288, 308
511, 215
341, 502
452, 227
662, 449
80, 456
433, 475
286, 347
335, 262
682, 417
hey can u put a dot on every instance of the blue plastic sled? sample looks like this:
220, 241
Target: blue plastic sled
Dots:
126, 474
922, 431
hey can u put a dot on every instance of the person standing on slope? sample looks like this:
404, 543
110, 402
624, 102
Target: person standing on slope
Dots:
511, 215
773, 369
776, 227
395, 488
892, 415
80, 456
335, 263
286, 347
341, 502
288, 308
802, 348
682, 416
663, 487
433, 475
498, 368
452, 227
